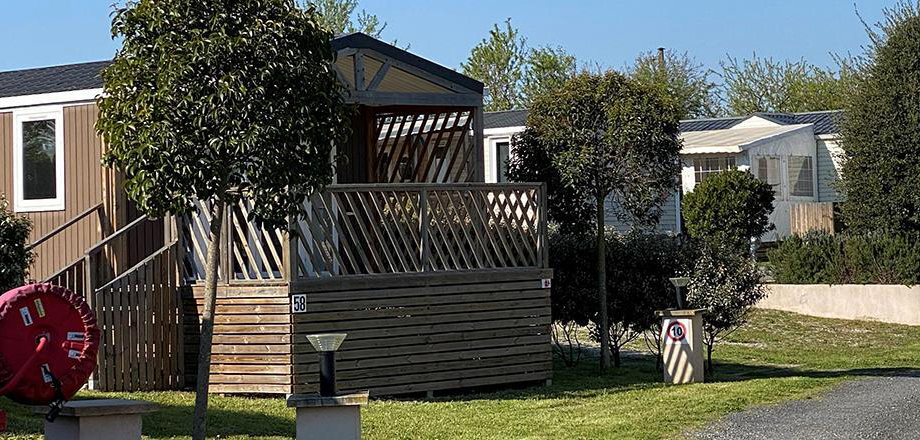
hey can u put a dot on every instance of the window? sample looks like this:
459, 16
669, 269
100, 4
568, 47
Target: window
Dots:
501, 161
801, 176
706, 166
38, 159
768, 171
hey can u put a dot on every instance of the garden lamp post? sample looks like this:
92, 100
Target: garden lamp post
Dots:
679, 284
326, 345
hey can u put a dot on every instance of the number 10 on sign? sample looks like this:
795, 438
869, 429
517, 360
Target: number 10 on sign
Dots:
299, 303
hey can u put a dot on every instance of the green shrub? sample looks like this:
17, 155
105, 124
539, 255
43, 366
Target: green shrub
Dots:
874, 258
728, 209
15, 258
638, 268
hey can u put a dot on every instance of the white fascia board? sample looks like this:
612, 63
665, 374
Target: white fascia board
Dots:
11, 102
498, 131
711, 150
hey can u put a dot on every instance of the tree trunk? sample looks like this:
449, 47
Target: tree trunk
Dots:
616, 356
709, 357
200, 420
602, 285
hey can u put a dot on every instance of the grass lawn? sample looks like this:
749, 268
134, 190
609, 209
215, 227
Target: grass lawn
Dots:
777, 356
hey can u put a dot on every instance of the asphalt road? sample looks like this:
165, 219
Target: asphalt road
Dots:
871, 408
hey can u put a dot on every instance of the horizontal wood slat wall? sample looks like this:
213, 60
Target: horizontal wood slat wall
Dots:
425, 335
251, 350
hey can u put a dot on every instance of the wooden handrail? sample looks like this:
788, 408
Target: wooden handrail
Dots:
65, 269
117, 234
128, 272
65, 225
429, 186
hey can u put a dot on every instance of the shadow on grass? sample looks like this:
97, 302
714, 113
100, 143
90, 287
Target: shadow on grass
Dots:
638, 372
172, 420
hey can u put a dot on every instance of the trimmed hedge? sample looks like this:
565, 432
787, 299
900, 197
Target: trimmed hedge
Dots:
821, 258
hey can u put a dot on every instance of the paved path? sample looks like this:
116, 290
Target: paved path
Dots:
872, 408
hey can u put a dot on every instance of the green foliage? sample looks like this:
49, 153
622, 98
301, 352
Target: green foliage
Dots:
638, 268
684, 80
499, 62
608, 134
821, 258
567, 207
218, 100
764, 85
728, 209
15, 257
726, 285
336, 17
513, 74
547, 69
880, 136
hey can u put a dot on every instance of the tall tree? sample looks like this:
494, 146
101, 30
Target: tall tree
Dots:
499, 63
764, 85
547, 68
336, 17
607, 135
879, 130
218, 101
683, 79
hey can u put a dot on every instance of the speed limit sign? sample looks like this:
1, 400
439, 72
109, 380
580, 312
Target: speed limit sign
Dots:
675, 331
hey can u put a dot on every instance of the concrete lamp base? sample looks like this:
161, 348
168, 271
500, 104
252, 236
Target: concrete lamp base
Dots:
115, 419
328, 418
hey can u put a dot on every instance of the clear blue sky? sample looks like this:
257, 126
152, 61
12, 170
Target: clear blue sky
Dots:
49, 32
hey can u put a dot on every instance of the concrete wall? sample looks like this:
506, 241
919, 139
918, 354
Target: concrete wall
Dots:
872, 302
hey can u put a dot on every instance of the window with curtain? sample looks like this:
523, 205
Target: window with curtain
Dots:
768, 171
801, 176
707, 166
501, 161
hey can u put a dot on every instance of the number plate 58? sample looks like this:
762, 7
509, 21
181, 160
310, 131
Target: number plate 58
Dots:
299, 303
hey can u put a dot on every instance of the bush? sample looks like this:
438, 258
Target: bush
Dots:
874, 258
638, 268
728, 209
15, 258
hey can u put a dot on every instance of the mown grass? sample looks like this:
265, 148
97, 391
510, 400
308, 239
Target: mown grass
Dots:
777, 356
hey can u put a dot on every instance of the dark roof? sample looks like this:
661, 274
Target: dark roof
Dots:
507, 118
359, 40
825, 122
51, 79
86, 75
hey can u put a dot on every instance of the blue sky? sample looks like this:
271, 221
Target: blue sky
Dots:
611, 33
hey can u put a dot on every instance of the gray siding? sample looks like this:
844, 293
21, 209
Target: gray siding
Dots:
827, 171
667, 224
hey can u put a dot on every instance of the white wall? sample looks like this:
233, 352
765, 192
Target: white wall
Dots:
493, 136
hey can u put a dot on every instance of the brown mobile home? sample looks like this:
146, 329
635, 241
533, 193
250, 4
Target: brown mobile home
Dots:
439, 279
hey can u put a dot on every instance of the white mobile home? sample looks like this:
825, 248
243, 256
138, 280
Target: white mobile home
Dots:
797, 153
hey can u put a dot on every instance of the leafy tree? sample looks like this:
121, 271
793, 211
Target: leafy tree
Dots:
15, 255
726, 285
217, 101
499, 63
336, 17
547, 69
764, 85
606, 135
682, 78
566, 206
728, 208
879, 131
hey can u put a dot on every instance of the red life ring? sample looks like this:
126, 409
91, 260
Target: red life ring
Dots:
46, 332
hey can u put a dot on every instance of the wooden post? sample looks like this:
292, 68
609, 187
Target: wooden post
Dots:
479, 164
225, 275
425, 246
542, 201
289, 250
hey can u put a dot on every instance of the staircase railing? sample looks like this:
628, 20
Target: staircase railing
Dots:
102, 220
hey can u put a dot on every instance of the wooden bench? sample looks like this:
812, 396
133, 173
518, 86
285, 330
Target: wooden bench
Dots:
114, 419
328, 418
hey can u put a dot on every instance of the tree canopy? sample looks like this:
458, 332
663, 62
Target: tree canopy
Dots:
336, 17
728, 209
880, 131
684, 80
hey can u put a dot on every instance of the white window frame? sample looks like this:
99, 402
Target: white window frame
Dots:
783, 189
55, 113
492, 172
814, 179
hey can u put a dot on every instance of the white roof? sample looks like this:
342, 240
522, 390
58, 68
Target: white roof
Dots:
732, 140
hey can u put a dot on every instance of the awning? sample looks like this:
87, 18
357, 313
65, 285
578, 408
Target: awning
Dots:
732, 140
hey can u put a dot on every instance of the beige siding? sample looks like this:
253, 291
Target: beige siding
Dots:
83, 189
